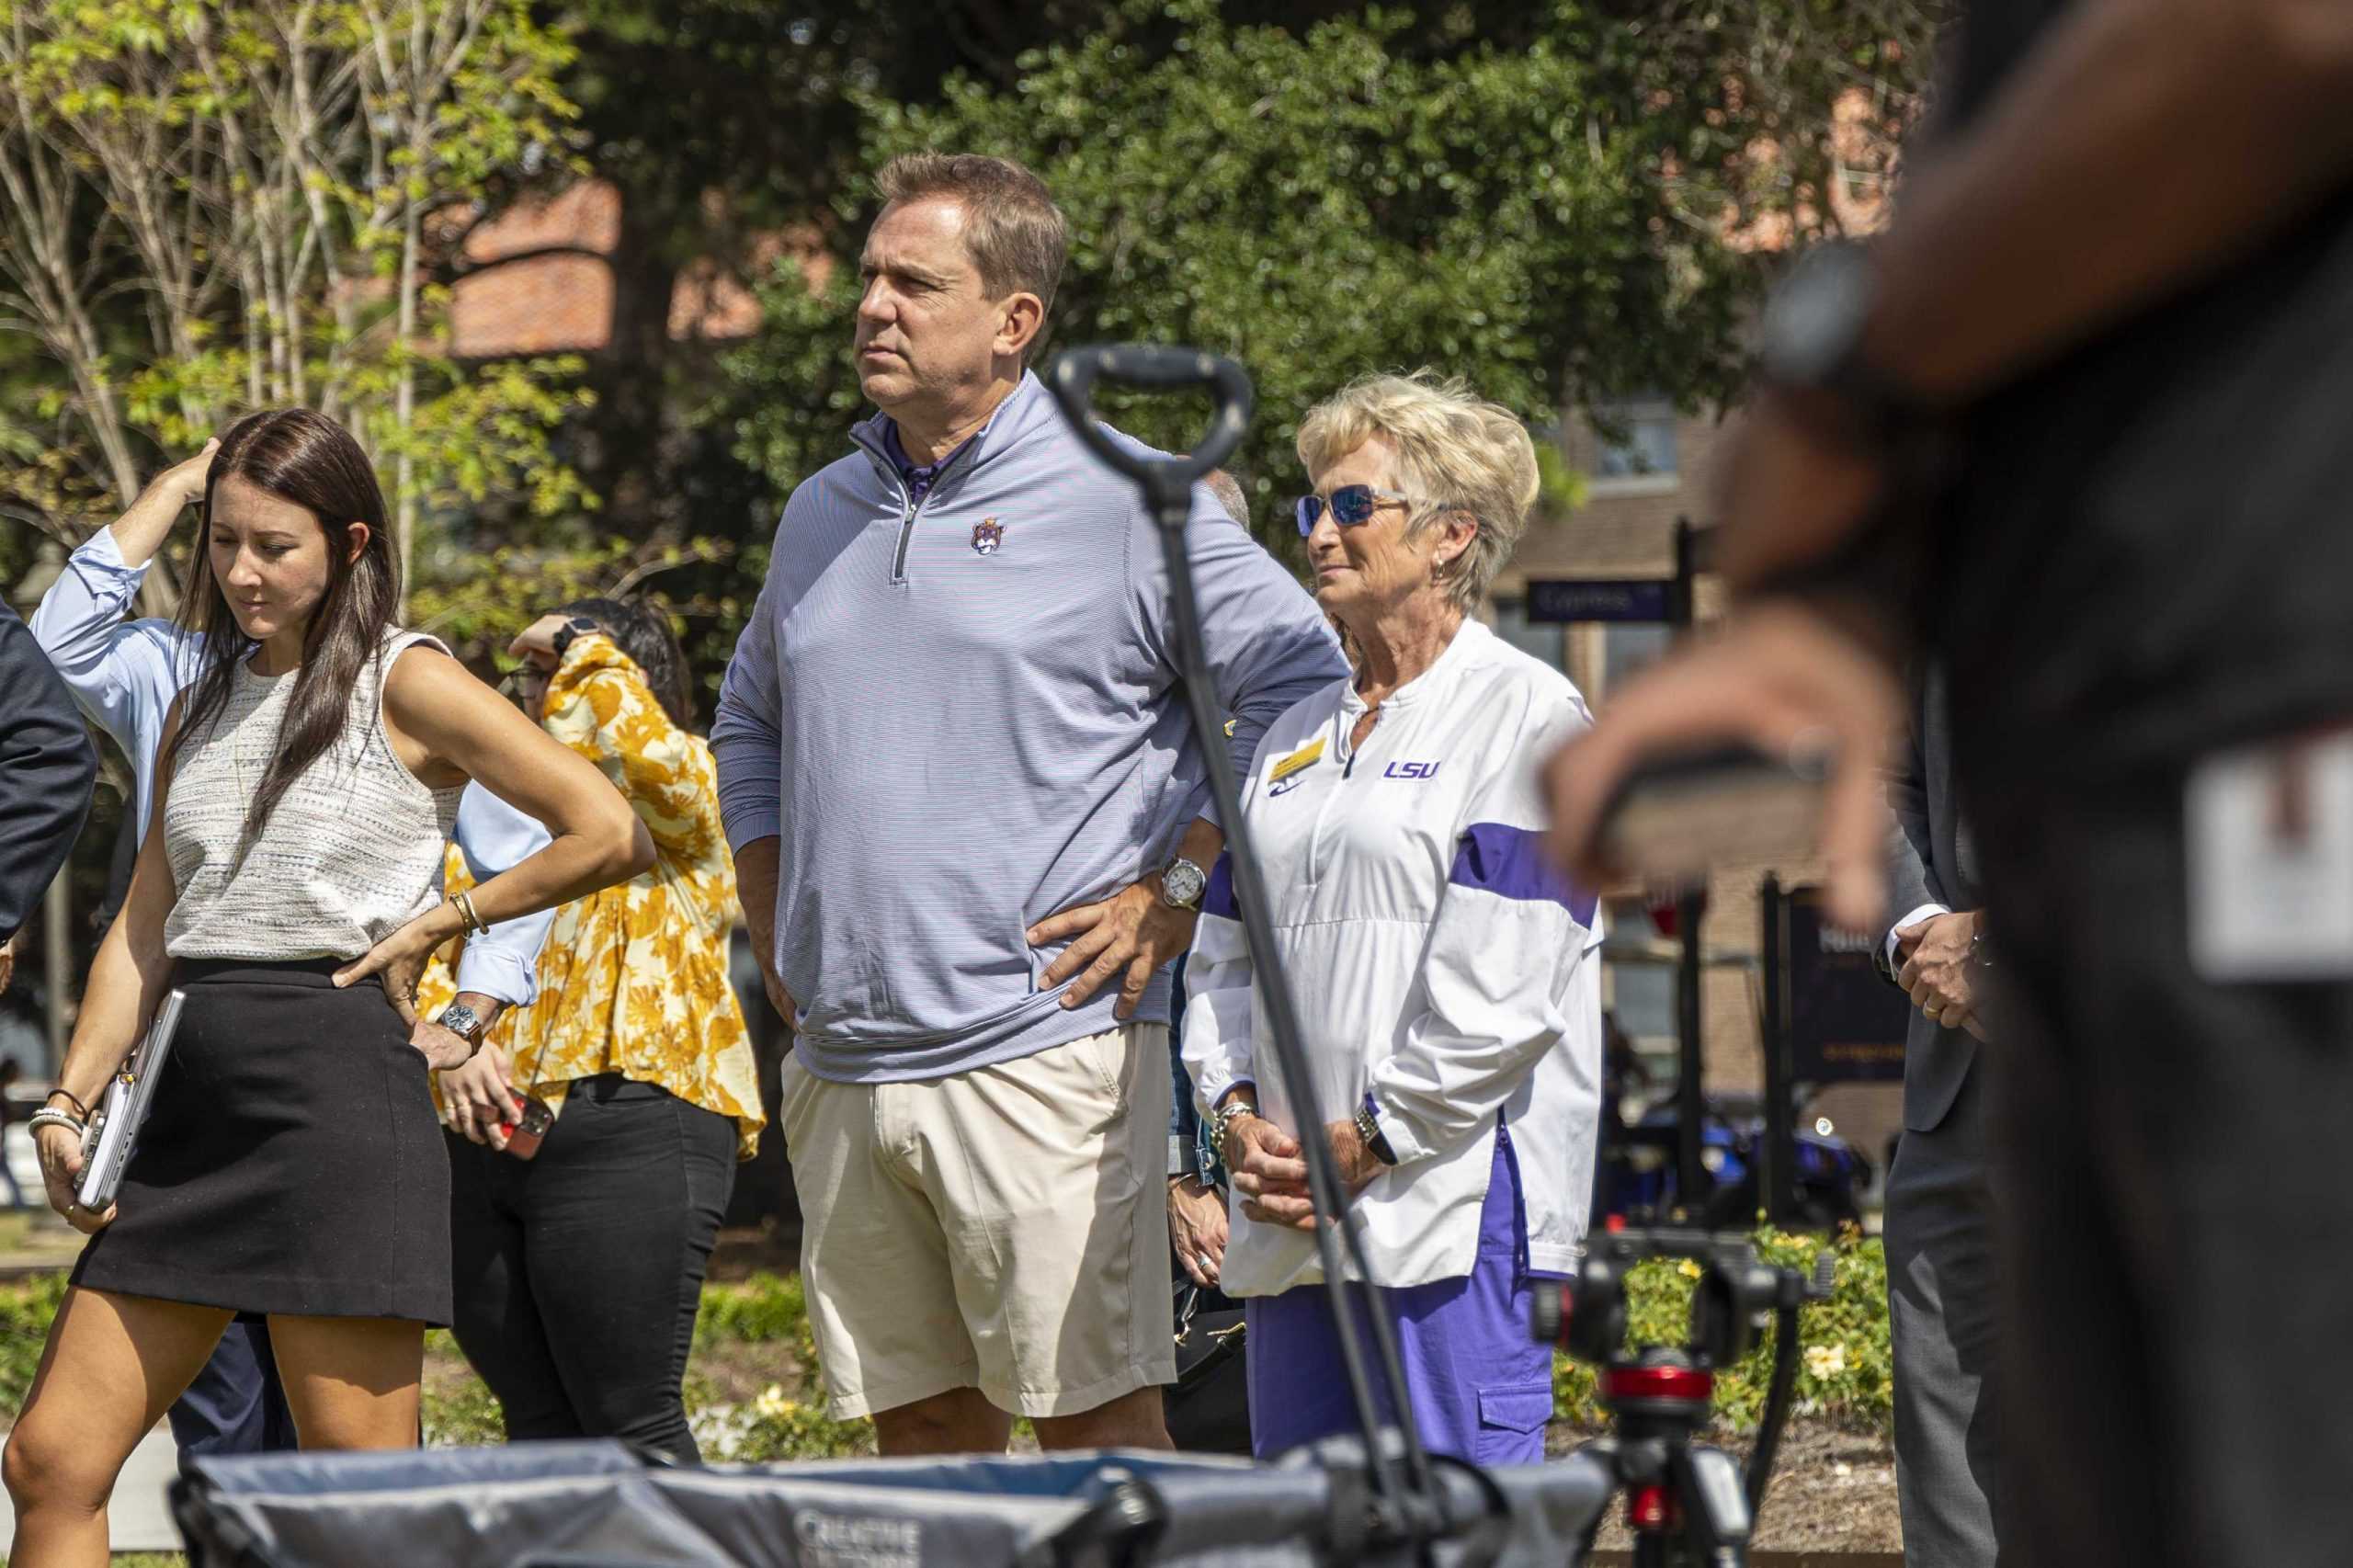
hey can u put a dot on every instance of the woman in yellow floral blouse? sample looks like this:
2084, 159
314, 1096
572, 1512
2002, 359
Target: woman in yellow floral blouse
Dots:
578, 1269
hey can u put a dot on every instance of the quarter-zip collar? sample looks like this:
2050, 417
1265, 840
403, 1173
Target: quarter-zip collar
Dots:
917, 478
1015, 418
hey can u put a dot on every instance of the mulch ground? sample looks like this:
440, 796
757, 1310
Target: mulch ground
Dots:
1832, 1491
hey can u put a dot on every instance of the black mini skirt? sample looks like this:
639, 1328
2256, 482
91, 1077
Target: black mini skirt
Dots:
290, 1161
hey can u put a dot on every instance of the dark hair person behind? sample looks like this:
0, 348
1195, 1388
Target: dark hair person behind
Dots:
46, 767
579, 1270
306, 785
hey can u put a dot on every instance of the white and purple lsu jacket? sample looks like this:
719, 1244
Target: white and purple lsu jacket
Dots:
1438, 961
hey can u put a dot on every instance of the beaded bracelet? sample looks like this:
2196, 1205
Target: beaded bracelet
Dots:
48, 1117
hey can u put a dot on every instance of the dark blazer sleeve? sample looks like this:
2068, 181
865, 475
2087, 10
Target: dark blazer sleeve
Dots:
1911, 882
47, 766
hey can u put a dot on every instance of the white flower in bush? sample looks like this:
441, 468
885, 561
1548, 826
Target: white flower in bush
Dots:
772, 1406
1824, 1360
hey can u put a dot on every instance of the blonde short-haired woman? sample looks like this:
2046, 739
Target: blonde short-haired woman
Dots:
1448, 980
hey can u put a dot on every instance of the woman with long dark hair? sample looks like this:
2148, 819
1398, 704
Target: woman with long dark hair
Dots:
306, 784
578, 1270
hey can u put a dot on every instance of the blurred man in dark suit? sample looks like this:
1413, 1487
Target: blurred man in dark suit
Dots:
1941, 1208
46, 767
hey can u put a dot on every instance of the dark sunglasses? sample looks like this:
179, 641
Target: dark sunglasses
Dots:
1352, 505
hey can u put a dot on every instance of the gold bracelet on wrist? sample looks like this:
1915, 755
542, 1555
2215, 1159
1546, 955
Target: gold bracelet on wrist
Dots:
465, 906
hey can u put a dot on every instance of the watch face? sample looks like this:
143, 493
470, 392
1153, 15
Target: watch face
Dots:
461, 1019
1182, 883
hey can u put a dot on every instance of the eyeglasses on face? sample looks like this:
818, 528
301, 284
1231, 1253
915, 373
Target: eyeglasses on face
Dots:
1352, 505
523, 678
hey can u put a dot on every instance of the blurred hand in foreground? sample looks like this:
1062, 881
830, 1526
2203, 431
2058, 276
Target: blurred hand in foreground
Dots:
1778, 677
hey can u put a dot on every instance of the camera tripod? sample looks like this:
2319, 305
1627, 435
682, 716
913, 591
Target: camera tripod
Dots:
1687, 1502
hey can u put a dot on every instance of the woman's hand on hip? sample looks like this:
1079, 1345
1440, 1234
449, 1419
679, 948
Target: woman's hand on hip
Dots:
61, 1172
400, 960
481, 1099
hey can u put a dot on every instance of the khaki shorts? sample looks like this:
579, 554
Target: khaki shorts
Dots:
1003, 1229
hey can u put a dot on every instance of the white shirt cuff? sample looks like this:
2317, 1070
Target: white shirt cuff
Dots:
1926, 912
1405, 1140
492, 973
1212, 1080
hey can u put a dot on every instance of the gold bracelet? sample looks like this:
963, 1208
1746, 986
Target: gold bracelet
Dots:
473, 922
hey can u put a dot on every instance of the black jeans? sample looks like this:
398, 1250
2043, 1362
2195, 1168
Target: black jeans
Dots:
577, 1273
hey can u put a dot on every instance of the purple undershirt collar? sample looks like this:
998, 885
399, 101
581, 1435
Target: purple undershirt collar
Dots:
917, 479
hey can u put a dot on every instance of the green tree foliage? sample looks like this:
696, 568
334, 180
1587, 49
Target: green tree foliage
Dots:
210, 206
730, 130
1557, 202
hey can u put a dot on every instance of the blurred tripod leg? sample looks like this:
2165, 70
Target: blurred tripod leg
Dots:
1714, 1504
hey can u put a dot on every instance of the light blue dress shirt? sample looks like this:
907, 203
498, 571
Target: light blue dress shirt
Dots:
125, 674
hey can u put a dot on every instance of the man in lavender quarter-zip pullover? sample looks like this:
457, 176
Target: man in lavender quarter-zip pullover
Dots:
971, 826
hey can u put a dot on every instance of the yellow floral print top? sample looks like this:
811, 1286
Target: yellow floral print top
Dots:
633, 979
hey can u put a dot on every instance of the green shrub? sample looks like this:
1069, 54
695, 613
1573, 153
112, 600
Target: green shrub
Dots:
764, 1308
773, 1427
768, 1309
462, 1412
1846, 1374
26, 1307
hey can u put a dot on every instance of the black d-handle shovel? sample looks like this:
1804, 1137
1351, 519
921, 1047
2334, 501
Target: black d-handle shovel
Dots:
1418, 1514
1168, 482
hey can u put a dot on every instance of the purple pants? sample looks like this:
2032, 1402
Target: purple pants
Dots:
1481, 1389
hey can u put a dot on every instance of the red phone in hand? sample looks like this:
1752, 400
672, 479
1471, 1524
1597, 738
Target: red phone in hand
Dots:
524, 1134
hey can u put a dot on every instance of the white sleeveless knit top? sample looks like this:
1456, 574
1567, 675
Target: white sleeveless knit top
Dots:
351, 852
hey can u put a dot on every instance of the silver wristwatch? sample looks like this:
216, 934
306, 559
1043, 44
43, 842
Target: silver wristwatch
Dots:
465, 1023
1182, 884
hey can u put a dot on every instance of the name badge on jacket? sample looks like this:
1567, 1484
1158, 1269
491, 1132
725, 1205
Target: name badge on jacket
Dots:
2270, 861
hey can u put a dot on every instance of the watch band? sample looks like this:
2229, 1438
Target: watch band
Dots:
1226, 1117
1369, 1130
470, 1025
578, 625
